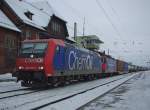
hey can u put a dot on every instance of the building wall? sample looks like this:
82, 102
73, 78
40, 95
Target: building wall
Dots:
29, 33
9, 41
57, 28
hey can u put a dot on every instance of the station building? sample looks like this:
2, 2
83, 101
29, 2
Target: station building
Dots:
23, 21
9, 36
91, 42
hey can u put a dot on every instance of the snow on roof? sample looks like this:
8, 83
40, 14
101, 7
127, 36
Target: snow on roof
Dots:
46, 7
6, 23
39, 19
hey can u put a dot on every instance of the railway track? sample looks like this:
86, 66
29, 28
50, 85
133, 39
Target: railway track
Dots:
50, 101
14, 93
9, 91
42, 99
73, 95
7, 84
7, 78
61, 103
10, 86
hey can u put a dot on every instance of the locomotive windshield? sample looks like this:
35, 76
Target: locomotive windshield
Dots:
35, 49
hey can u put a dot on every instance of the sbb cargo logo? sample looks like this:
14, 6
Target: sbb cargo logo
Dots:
76, 62
35, 60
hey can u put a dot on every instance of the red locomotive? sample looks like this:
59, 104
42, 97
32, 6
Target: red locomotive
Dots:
56, 61
53, 60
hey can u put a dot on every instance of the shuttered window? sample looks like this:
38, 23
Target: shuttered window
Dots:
10, 42
56, 28
10, 52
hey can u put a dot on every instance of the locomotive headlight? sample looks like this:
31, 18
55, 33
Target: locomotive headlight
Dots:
41, 67
20, 67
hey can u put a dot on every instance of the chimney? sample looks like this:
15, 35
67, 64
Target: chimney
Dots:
75, 31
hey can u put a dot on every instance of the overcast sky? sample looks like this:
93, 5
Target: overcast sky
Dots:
124, 25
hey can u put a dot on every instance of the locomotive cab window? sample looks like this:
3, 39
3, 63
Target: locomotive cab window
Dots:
37, 49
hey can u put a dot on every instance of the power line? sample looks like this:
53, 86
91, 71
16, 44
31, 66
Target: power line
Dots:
108, 18
115, 13
113, 10
80, 15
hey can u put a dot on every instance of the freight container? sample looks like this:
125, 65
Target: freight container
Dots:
125, 67
120, 66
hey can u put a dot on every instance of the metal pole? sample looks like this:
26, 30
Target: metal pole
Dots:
84, 27
108, 51
75, 31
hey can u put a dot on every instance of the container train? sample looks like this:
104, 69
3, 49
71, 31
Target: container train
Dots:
51, 61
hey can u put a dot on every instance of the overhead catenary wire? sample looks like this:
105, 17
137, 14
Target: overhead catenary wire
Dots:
117, 17
82, 17
110, 21
124, 50
108, 18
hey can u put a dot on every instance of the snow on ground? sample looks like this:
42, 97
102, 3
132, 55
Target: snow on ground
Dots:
7, 77
79, 100
43, 97
10, 86
8, 83
133, 95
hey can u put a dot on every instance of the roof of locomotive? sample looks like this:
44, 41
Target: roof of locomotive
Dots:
59, 42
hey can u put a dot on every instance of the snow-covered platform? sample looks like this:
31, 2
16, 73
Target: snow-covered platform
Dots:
7, 78
8, 83
34, 99
133, 95
70, 97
